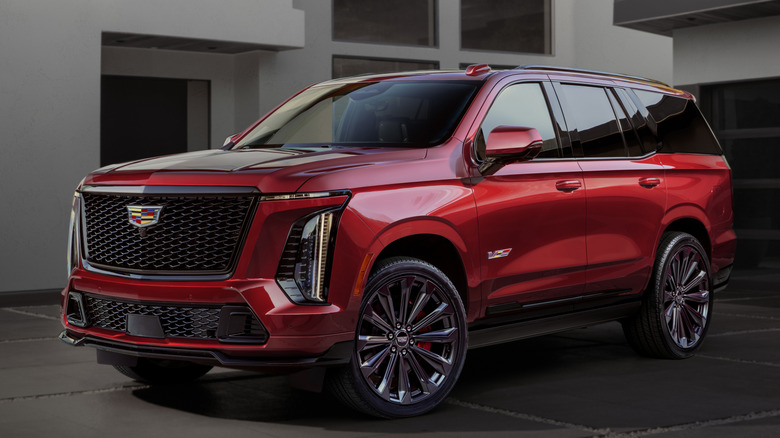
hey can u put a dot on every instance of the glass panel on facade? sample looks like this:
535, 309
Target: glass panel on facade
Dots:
344, 66
521, 26
749, 105
746, 120
408, 22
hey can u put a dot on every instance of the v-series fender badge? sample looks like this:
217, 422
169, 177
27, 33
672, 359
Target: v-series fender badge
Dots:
498, 253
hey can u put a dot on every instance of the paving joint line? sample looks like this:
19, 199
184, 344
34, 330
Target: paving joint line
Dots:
24, 312
751, 416
744, 332
15, 341
745, 315
735, 360
528, 417
72, 393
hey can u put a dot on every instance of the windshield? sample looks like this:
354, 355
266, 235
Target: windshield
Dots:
417, 114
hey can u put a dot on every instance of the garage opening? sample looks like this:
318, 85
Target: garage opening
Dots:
146, 117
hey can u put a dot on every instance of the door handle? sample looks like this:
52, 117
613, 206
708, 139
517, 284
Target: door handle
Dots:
649, 183
568, 185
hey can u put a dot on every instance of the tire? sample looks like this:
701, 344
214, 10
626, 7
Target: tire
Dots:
410, 342
677, 306
161, 371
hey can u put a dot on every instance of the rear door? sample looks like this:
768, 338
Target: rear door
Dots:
531, 214
626, 191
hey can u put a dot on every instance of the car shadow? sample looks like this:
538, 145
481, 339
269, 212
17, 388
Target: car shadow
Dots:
254, 397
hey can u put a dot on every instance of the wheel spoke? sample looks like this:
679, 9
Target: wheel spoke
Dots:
371, 365
373, 318
700, 297
421, 301
386, 301
442, 311
421, 375
695, 315
404, 393
697, 280
439, 336
384, 385
369, 341
689, 272
674, 329
440, 364
403, 305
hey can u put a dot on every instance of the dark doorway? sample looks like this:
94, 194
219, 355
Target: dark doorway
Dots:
148, 117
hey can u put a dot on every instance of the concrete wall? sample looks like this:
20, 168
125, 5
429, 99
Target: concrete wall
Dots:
51, 60
50, 68
725, 52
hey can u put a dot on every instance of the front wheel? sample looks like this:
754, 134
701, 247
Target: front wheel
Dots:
410, 344
677, 306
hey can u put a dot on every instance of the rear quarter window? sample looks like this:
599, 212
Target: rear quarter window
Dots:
680, 126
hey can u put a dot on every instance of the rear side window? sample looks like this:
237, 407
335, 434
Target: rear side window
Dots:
646, 136
681, 127
593, 118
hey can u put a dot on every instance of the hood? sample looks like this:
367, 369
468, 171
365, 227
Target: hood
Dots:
276, 170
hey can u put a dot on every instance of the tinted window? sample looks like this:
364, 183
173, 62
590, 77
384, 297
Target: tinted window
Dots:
383, 113
506, 25
629, 136
589, 111
680, 125
410, 22
344, 66
646, 136
520, 105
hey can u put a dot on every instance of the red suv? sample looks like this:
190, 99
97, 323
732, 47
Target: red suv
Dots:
368, 231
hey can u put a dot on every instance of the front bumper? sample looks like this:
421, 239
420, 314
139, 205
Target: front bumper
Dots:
338, 354
293, 336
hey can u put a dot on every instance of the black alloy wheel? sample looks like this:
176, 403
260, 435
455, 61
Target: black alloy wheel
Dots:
410, 343
677, 307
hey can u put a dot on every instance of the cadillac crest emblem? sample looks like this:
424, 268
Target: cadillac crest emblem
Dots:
143, 215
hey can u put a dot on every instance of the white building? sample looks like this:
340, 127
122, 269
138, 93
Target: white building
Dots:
89, 82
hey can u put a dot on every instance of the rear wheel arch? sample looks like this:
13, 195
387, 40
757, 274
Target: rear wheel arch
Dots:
695, 228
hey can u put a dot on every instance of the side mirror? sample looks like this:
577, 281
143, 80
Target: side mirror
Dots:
510, 144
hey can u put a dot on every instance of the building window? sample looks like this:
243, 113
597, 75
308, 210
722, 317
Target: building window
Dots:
521, 26
407, 22
746, 119
344, 66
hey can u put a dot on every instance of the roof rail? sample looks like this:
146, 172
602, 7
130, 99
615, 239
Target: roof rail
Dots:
582, 70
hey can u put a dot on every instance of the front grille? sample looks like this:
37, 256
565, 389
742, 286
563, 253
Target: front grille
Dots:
194, 235
177, 322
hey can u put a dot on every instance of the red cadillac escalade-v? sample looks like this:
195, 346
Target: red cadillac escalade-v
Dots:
368, 231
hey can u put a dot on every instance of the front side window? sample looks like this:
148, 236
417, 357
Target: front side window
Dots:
402, 113
520, 105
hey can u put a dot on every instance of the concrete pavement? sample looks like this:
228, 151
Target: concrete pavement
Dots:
579, 383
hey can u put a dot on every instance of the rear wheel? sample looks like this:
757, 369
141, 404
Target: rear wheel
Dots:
410, 343
163, 371
677, 307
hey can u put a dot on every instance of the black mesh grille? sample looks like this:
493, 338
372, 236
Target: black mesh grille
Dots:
195, 234
177, 322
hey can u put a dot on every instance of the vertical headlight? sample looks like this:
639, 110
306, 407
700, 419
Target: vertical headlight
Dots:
303, 271
72, 233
